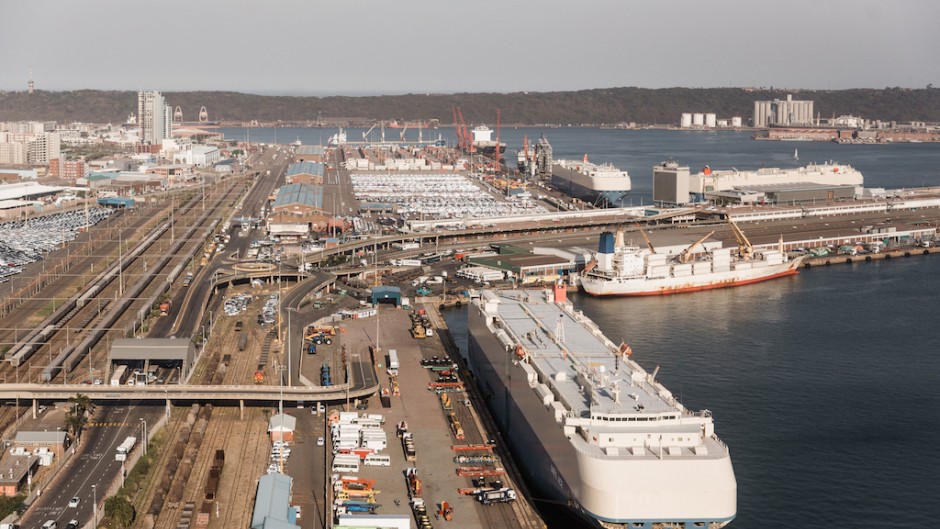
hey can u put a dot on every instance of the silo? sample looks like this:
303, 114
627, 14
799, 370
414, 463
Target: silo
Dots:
698, 119
686, 120
736, 121
710, 120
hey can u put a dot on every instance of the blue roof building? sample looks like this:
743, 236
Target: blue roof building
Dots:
272, 503
310, 168
299, 196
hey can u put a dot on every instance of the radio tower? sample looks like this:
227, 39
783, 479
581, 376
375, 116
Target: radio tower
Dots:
30, 86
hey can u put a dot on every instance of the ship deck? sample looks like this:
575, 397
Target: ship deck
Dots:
581, 357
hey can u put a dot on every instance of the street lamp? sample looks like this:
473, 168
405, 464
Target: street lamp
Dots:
144, 423
94, 503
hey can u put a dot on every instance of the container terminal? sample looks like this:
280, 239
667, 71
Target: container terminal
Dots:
297, 350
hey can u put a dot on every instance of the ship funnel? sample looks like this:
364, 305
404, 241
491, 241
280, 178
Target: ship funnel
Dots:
606, 243
561, 294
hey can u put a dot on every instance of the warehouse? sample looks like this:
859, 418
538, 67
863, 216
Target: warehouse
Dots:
144, 352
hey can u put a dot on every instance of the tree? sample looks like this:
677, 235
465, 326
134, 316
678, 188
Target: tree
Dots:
75, 418
120, 511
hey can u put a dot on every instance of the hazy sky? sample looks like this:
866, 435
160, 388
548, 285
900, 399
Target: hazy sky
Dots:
395, 46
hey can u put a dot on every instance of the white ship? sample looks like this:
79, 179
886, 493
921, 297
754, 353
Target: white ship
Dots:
337, 139
597, 184
829, 173
589, 428
619, 269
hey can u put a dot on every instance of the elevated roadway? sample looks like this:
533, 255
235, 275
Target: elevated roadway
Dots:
186, 392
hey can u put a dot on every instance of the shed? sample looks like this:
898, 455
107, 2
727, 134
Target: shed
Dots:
386, 294
272, 503
281, 427
154, 351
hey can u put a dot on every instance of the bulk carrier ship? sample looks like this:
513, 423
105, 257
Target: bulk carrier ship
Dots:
618, 269
603, 185
589, 428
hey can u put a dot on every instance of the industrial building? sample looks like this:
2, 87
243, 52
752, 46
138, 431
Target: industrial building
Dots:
281, 427
150, 351
297, 211
305, 173
272, 503
783, 113
309, 153
538, 266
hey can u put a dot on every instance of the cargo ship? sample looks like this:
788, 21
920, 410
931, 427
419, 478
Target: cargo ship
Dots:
602, 185
589, 429
619, 269
483, 142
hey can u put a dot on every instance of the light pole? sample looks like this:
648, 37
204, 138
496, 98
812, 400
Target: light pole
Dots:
144, 424
94, 504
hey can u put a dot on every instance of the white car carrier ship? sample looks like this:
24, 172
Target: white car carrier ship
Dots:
589, 427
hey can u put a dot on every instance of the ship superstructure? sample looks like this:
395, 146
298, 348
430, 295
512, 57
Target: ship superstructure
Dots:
600, 184
589, 427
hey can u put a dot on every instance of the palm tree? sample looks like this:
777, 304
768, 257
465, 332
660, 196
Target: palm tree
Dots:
76, 417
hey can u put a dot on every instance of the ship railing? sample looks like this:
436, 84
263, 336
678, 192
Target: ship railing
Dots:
705, 414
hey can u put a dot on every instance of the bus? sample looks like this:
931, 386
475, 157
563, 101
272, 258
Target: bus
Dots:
118, 376
125, 449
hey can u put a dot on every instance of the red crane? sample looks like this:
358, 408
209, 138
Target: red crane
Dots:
498, 156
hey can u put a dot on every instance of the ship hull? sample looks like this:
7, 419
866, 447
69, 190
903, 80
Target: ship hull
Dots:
602, 492
575, 184
601, 286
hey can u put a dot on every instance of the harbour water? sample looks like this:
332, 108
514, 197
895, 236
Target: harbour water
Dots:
825, 384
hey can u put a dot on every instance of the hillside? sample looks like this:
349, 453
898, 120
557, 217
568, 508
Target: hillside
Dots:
609, 105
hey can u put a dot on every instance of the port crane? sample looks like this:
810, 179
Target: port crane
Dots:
649, 243
686, 255
745, 249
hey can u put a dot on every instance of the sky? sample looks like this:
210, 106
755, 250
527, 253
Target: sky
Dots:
356, 47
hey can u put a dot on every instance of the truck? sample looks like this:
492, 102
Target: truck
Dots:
165, 307
125, 448
504, 495
119, 375
188, 280
325, 379
393, 362
408, 445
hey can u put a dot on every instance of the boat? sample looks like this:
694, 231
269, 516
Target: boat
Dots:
337, 139
796, 154
296, 143
599, 184
483, 142
589, 429
619, 269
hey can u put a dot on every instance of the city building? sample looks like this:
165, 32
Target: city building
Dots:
783, 113
281, 427
154, 117
44, 147
68, 169
272, 503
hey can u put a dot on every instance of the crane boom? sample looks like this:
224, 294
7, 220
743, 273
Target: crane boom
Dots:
649, 243
686, 254
745, 249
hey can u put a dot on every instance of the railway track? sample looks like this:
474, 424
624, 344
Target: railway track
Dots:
76, 326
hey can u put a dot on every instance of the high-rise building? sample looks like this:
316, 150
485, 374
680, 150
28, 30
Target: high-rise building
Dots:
45, 147
783, 113
154, 117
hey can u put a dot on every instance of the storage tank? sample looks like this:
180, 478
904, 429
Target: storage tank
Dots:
736, 121
698, 119
686, 120
710, 120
